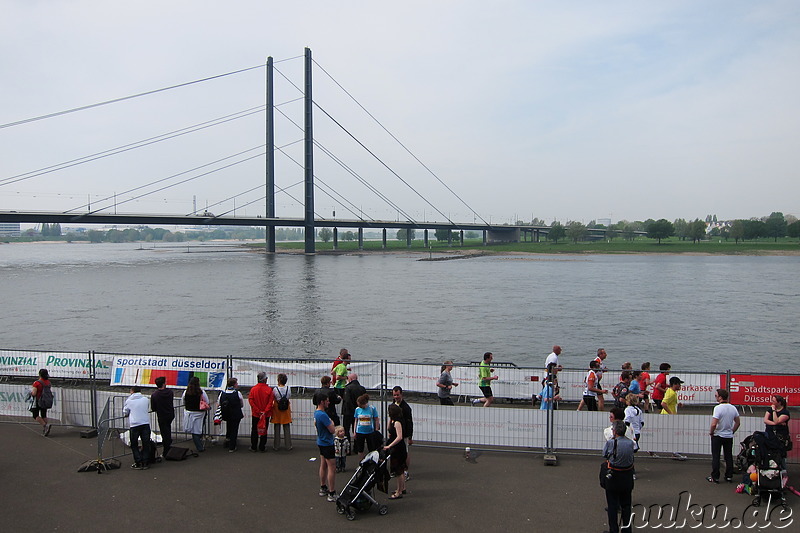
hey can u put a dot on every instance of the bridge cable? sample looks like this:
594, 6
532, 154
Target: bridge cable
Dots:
138, 144
399, 142
362, 180
122, 99
383, 163
173, 176
319, 180
351, 172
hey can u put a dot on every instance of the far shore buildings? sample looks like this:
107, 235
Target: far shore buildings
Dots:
9, 229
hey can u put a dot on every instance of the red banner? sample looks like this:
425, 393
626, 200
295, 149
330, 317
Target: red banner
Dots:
754, 389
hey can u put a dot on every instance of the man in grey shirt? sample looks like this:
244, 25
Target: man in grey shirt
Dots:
619, 482
724, 423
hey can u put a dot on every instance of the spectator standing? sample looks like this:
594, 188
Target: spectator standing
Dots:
231, 403
282, 418
162, 404
634, 387
42, 394
194, 417
325, 443
548, 397
724, 423
335, 399
342, 448
776, 421
367, 423
619, 484
485, 379
660, 384
396, 446
262, 403
138, 413
445, 384
350, 402
669, 405
407, 418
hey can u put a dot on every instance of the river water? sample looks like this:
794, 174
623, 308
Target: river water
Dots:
696, 312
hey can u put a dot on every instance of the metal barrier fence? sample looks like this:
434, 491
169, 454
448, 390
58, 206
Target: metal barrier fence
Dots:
86, 395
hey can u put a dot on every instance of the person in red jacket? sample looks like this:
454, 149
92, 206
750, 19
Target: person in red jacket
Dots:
261, 402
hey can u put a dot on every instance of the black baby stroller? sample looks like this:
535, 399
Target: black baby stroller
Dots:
358, 494
768, 454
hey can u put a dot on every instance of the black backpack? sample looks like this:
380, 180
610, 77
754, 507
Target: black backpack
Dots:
228, 403
45, 399
283, 401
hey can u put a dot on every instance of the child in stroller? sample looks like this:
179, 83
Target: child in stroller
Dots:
763, 460
358, 494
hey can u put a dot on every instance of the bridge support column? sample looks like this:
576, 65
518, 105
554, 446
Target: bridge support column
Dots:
384, 238
408, 238
426, 238
270, 152
360, 238
310, 234
485, 239
449, 238
335, 238
462, 238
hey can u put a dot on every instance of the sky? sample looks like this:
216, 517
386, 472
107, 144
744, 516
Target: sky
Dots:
506, 110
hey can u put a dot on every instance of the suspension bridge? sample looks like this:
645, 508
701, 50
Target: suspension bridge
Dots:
103, 211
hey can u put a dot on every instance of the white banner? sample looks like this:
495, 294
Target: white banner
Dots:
13, 403
142, 370
59, 364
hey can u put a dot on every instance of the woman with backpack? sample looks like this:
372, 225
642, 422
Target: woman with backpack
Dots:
195, 401
231, 403
42, 400
282, 413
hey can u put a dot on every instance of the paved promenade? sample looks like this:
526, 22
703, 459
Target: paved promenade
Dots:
277, 491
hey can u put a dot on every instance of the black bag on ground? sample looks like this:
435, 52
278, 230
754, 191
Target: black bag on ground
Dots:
176, 453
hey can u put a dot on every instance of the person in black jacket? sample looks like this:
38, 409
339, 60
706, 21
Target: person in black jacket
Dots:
332, 396
408, 424
352, 391
162, 404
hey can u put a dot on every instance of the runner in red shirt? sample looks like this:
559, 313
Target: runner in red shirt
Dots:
660, 384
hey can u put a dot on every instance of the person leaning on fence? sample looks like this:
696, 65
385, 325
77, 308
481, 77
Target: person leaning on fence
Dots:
724, 423
619, 480
162, 404
193, 399
42, 400
138, 413
445, 384
261, 405
282, 418
231, 403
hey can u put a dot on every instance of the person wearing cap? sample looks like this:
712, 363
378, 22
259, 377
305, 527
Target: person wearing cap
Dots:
669, 405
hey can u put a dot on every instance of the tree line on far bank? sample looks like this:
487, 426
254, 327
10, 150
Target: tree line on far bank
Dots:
775, 226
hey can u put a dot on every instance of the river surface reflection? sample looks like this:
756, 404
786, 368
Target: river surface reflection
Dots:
697, 312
